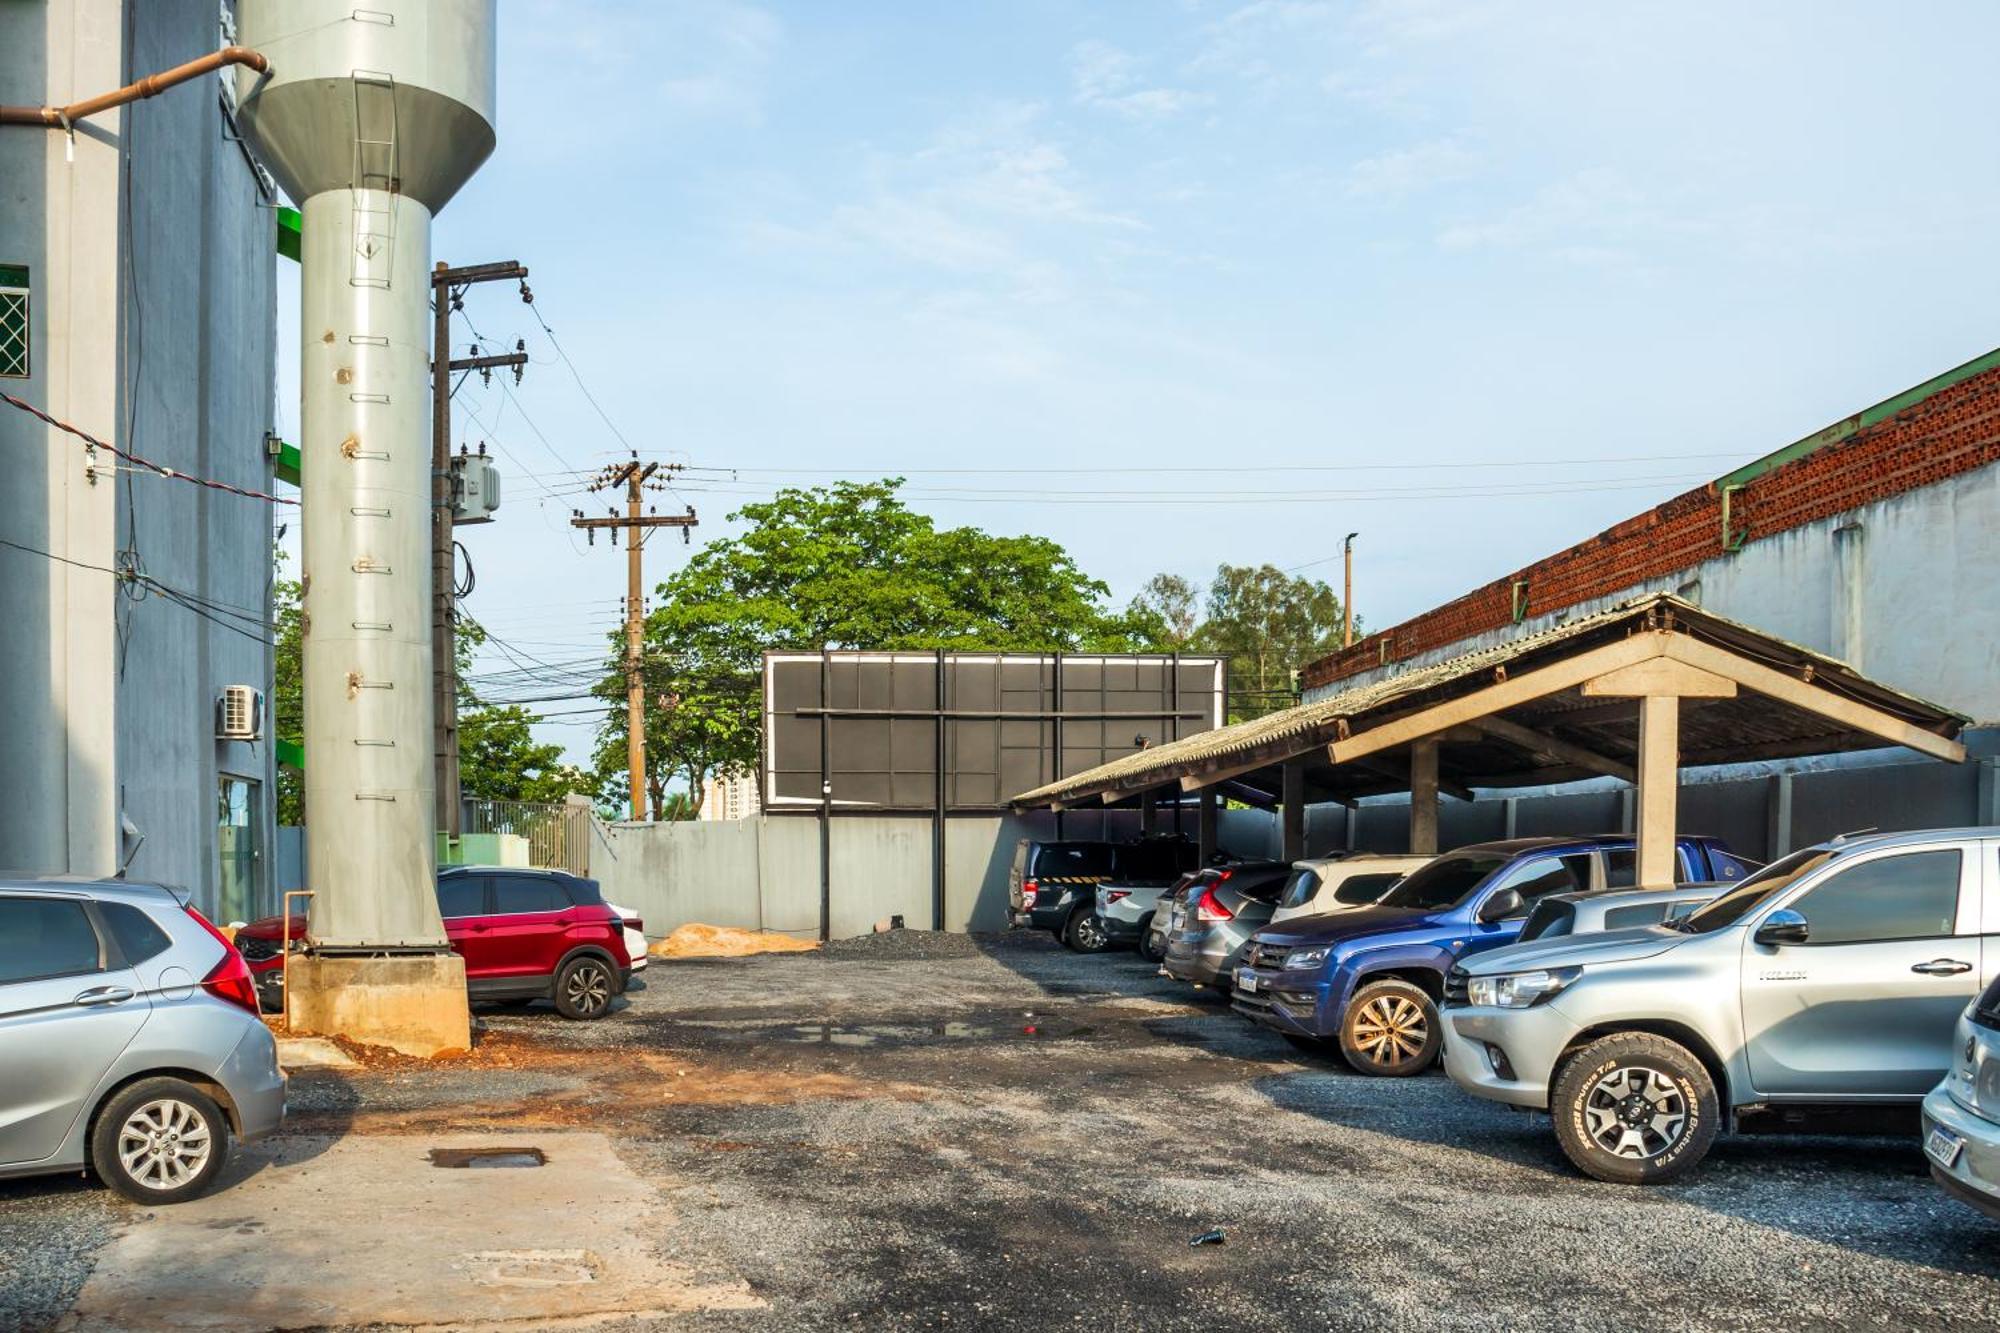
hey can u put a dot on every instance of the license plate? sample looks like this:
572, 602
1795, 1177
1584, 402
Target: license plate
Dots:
1246, 980
1943, 1146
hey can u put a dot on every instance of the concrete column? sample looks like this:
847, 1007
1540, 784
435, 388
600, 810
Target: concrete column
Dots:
1205, 825
1293, 844
1424, 798
1778, 817
1510, 810
1149, 815
1659, 787
1352, 825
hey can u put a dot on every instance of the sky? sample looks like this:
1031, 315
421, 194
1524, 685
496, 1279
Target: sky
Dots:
1185, 282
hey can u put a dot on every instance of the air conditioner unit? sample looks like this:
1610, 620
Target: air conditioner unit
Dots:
239, 713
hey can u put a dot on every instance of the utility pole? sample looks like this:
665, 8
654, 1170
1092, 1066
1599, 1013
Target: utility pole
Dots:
636, 478
448, 287
1347, 594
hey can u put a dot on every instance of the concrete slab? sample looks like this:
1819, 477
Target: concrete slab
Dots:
363, 1230
312, 1053
415, 1005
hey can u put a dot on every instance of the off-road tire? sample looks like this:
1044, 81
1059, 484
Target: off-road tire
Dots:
584, 988
1391, 1030
1586, 1108
1084, 933
184, 1115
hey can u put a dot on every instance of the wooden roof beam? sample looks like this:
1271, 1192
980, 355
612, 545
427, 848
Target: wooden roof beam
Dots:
1552, 747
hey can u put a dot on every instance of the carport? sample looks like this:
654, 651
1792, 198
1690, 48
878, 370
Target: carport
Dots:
1636, 692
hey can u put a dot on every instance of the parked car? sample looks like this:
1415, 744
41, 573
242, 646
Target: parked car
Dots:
1962, 1113
1128, 902
132, 1043
1831, 977
1328, 884
1212, 925
1053, 885
1589, 913
1369, 978
1153, 944
635, 935
524, 935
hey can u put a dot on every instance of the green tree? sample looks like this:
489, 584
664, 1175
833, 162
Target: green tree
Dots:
1269, 623
288, 695
845, 566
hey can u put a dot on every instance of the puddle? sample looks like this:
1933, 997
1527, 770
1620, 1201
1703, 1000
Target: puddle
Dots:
477, 1158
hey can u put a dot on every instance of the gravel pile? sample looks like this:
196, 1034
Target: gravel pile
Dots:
893, 944
51, 1228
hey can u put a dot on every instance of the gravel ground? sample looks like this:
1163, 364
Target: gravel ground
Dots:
1022, 1138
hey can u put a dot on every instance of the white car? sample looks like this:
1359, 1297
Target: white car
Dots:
635, 939
1318, 886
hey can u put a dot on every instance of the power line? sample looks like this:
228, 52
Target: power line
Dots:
150, 466
1229, 469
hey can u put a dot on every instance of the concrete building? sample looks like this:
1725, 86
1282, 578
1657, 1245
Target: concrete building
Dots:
1874, 541
140, 248
733, 797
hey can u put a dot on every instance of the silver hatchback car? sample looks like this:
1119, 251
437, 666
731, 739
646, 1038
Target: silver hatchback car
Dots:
1831, 977
132, 1046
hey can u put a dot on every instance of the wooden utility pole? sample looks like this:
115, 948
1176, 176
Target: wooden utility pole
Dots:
1347, 593
447, 294
635, 477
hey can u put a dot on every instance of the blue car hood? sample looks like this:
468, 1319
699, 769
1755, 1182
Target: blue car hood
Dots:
1350, 923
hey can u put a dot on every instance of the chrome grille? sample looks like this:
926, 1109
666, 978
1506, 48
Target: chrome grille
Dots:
257, 950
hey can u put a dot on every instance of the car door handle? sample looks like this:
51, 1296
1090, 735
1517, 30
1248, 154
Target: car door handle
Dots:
103, 995
1942, 967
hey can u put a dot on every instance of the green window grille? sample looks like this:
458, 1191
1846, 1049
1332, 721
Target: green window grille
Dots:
13, 321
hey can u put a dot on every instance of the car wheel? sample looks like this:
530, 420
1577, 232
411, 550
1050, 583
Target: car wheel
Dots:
1390, 1029
1634, 1109
1085, 933
1153, 944
160, 1141
584, 988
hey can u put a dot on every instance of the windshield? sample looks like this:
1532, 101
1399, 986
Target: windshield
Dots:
1745, 898
1300, 888
1445, 882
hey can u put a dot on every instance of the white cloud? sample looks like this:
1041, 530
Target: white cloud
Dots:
1109, 79
1405, 171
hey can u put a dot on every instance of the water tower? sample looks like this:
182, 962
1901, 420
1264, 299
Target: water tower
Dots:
371, 118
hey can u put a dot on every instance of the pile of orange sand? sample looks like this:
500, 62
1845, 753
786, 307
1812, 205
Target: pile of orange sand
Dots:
699, 941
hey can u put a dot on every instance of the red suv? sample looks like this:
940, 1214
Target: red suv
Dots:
524, 935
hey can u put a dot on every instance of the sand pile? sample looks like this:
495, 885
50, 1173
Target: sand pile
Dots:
699, 941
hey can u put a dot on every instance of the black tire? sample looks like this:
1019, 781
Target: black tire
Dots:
1084, 933
1390, 1029
1634, 1109
146, 1138
584, 988
1151, 952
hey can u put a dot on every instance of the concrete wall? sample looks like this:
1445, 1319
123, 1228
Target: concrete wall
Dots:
153, 274
1901, 589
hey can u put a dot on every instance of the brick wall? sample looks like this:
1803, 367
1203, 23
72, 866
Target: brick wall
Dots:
1953, 431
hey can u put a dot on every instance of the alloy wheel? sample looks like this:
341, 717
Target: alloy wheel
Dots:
1090, 933
1391, 1029
1635, 1112
588, 988
164, 1144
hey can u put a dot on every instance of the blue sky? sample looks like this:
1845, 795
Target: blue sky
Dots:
1345, 255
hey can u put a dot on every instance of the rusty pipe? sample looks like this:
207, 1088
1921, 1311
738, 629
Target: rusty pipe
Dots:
62, 117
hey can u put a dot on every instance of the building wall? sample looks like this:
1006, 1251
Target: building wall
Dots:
154, 293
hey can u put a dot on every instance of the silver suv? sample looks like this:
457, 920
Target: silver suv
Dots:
1834, 975
132, 1045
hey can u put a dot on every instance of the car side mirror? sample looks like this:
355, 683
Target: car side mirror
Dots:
1783, 926
1503, 904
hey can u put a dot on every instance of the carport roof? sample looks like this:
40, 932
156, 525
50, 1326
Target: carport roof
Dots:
1793, 701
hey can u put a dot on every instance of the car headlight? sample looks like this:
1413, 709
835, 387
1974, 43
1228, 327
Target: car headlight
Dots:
1518, 990
1307, 957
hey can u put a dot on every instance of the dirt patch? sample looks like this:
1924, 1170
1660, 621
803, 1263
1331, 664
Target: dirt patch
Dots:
699, 941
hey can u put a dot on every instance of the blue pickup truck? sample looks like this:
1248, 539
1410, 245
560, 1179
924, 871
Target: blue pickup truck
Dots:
1370, 978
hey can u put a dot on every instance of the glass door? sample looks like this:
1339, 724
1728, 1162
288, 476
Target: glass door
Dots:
238, 848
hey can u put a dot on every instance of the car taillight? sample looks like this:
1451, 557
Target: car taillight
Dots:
1222, 875
1113, 895
1029, 888
1210, 908
229, 979
635, 924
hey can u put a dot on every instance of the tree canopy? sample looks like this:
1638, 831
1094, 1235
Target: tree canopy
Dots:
1270, 624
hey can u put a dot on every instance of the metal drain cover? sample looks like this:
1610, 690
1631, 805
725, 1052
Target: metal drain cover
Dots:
488, 1157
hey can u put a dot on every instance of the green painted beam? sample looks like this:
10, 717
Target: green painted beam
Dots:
291, 233
287, 466
1860, 421
291, 754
